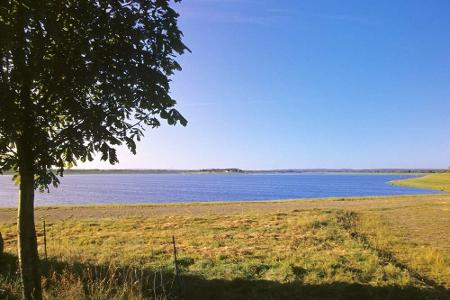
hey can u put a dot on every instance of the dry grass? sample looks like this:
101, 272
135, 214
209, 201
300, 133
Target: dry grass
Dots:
59, 213
373, 248
426, 258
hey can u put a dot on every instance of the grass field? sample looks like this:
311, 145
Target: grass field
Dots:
438, 181
356, 248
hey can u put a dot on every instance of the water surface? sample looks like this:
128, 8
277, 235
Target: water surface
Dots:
164, 188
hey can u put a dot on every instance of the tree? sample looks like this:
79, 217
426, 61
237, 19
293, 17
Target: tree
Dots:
78, 77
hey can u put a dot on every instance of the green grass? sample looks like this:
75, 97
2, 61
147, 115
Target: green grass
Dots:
322, 249
438, 181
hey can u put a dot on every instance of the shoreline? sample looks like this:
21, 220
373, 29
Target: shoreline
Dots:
231, 202
201, 208
244, 172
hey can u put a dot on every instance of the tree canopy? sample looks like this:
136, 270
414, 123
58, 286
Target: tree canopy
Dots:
80, 77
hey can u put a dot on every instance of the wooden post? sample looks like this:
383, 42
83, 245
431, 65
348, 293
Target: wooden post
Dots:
175, 256
45, 241
177, 286
1, 244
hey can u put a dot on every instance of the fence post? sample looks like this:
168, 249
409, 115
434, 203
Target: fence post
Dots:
178, 286
1, 244
45, 241
175, 256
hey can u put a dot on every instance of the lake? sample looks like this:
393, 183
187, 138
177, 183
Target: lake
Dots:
165, 188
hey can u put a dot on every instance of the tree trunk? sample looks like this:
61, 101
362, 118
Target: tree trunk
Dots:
27, 241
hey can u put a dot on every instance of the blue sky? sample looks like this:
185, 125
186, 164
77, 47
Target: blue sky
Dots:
308, 84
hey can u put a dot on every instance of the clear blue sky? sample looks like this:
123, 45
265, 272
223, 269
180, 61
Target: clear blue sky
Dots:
308, 84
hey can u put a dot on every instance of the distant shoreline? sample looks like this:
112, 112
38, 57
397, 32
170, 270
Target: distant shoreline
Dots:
242, 171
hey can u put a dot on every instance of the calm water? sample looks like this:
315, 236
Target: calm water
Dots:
146, 188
